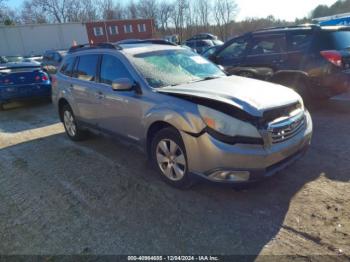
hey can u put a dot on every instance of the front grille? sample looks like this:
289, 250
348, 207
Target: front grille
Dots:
286, 129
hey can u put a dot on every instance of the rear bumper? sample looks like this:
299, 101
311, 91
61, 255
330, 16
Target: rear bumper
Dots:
334, 84
24, 92
207, 156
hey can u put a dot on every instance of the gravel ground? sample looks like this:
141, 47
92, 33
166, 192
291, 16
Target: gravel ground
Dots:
101, 197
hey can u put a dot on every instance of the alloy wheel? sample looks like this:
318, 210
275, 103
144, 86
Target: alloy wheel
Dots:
69, 123
171, 159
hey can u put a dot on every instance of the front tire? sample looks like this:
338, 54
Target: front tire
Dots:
170, 159
70, 125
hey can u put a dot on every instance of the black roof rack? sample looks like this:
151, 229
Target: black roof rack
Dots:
94, 46
313, 26
146, 41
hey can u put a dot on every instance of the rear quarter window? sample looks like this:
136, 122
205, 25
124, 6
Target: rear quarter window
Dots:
299, 40
87, 67
67, 67
341, 39
332, 40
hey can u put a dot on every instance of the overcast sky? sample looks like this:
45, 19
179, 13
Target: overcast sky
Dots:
283, 9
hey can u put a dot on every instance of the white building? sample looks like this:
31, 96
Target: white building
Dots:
35, 39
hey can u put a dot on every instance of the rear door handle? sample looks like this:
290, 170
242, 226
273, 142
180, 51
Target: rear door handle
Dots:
100, 95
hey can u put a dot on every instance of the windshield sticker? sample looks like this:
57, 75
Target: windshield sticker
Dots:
199, 60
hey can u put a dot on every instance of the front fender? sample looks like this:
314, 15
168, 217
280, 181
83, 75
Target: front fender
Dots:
187, 120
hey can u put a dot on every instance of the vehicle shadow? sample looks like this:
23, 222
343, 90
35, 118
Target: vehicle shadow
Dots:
21, 116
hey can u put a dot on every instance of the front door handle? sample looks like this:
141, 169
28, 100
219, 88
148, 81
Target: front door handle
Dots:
100, 95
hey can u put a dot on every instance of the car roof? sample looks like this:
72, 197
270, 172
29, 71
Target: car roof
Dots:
307, 27
144, 48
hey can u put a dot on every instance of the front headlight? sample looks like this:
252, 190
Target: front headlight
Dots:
226, 124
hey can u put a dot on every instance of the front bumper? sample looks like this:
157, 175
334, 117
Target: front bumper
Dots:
206, 155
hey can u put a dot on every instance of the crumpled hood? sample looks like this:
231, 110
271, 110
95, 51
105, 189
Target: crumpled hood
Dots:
250, 95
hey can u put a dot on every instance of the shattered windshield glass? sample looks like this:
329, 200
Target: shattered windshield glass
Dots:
174, 67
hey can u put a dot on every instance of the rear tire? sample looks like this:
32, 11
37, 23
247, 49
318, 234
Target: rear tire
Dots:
169, 157
70, 125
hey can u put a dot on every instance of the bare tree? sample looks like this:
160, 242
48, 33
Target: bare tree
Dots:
62, 11
203, 12
224, 12
164, 14
2, 10
110, 10
178, 16
148, 9
56, 10
30, 15
88, 11
131, 10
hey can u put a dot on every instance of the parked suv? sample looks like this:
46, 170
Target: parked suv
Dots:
311, 59
52, 59
191, 119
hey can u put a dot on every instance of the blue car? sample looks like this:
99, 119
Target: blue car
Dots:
22, 81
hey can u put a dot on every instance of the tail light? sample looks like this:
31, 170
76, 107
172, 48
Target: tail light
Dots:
333, 56
53, 81
42, 78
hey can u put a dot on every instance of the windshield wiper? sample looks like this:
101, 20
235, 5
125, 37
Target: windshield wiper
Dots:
206, 78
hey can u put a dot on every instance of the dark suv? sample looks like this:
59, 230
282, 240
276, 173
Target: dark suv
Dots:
311, 59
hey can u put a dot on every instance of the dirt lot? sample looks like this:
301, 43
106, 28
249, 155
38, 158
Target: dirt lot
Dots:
101, 197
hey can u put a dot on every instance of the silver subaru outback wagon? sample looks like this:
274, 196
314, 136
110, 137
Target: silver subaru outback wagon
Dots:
190, 118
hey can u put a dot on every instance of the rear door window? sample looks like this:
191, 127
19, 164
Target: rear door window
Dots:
67, 68
87, 67
299, 40
268, 44
112, 69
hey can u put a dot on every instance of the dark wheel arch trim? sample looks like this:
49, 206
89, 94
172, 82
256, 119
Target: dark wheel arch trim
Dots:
61, 103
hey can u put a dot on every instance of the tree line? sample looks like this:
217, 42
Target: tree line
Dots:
182, 17
339, 7
169, 15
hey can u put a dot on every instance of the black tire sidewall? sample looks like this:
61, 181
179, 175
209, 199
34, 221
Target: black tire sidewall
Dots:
172, 134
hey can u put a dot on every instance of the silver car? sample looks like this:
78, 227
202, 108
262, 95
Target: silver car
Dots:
191, 119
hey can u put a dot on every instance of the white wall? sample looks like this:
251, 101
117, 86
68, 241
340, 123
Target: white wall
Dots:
36, 39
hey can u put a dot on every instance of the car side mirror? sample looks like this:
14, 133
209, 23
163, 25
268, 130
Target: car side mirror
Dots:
122, 84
